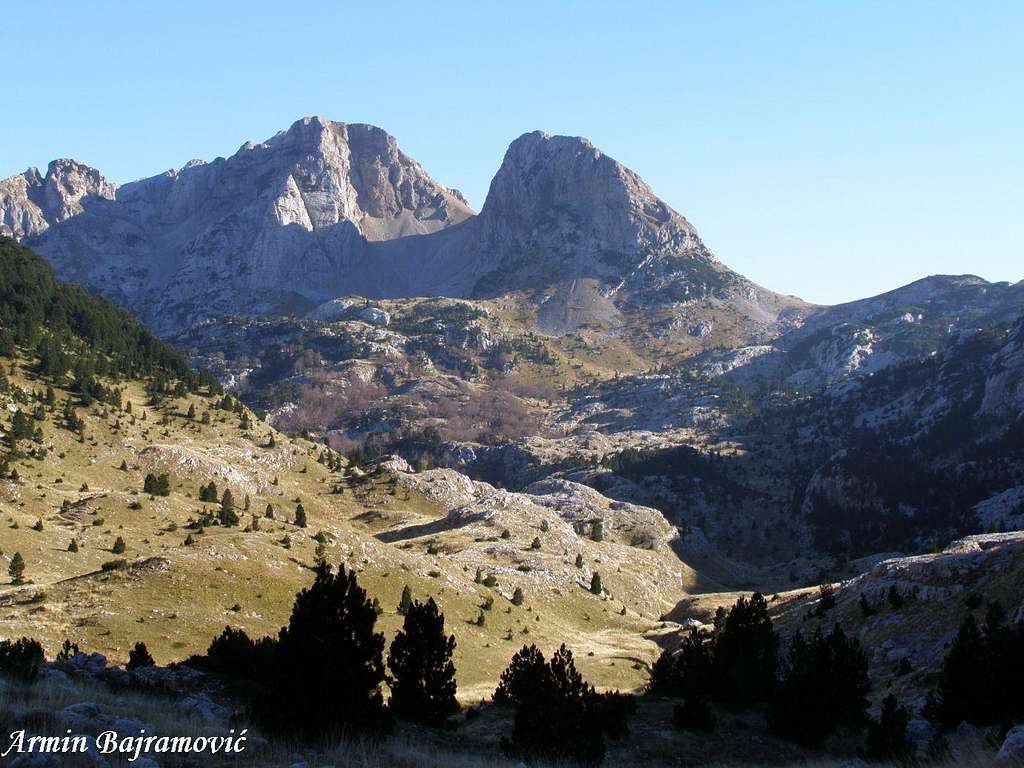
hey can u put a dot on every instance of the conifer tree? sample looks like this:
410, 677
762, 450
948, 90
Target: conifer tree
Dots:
422, 672
16, 569
406, 601
328, 664
227, 515
887, 736
119, 546
300, 516
595, 584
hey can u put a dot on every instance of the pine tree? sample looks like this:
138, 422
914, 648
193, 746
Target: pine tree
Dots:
329, 662
119, 546
191, 415
423, 674
300, 516
517, 597
823, 685
16, 569
73, 546
745, 652
579, 561
139, 657
595, 584
208, 493
227, 515
405, 603
887, 736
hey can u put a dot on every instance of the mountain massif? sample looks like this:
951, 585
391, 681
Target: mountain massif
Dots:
561, 417
327, 209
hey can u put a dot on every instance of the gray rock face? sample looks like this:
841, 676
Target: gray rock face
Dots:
274, 228
30, 203
326, 209
1012, 750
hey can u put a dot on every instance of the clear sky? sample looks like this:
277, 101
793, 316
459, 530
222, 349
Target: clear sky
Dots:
828, 149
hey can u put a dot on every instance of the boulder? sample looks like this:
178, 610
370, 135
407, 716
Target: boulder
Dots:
1012, 751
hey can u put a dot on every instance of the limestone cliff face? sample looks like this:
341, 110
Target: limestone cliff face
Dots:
330, 209
270, 229
30, 203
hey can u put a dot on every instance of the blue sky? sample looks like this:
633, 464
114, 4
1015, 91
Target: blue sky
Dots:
830, 150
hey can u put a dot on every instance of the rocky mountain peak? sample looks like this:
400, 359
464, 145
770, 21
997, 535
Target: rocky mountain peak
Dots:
30, 203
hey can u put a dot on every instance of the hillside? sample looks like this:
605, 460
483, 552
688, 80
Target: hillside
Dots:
80, 478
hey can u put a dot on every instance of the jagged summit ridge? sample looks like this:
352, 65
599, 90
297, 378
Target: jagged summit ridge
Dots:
30, 202
326, 209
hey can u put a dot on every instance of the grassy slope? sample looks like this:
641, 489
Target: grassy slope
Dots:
176, 598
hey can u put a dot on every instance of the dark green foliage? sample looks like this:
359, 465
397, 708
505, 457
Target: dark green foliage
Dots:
517, 596
405, 603
119, 546
157, 485
227, 515
823, 685
139, 657
595, 584
826, 599
95, 336
745, 653
558, 717
524, 673
734, 665
694, 714
208, 493
67, 651
21, 659
322, 676
16, 569
234, 654
300, 516
329, 661
887, 736
982, 675
688, 672
422, 673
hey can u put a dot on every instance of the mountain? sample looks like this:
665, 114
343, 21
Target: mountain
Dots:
91, 404
275, 226
31, 203
326, 209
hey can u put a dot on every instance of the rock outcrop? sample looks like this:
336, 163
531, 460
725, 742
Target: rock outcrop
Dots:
31, 203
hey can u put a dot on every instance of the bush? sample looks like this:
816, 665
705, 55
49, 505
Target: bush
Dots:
423, 675
157, 485
21, 659
824, 684
139, 657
